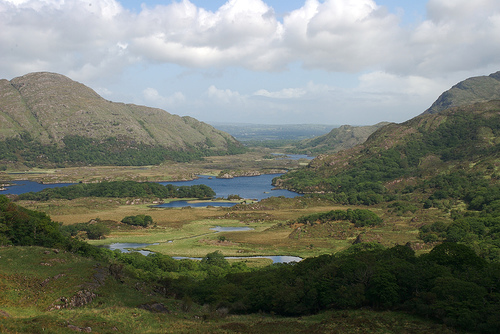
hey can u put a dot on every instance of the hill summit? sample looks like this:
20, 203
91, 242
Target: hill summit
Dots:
469, 91
49, 110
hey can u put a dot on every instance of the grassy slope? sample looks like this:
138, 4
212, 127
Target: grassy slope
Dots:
471, 90
32, 279
338, 139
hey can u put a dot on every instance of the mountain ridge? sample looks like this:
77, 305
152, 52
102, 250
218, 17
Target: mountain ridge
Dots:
49, 108
53, 105
468, 91
341, 138
463, 138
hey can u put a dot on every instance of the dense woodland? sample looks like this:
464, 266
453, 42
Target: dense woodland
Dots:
120, 189
79, 151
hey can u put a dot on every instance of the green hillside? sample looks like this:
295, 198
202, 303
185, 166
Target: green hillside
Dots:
472, 90
461, 138
338, 139
41, 113
446, 161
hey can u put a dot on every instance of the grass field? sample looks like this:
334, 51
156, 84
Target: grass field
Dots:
186, 231
169, 171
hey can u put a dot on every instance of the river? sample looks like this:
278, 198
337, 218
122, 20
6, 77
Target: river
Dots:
126, 247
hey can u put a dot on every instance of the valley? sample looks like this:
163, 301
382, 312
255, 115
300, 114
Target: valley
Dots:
401, 229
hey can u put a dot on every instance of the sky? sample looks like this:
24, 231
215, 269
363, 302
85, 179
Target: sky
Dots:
356, 62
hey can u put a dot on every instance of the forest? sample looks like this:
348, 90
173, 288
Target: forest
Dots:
80, 151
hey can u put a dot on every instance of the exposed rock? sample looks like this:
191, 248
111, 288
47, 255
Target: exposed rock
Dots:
81, 298
85, 296
80, 329
4, 314
363, 237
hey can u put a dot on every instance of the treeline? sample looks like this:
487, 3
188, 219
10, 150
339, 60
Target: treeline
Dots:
120, 189
80, 150
359, 217
450, 284
22, 227
94, 230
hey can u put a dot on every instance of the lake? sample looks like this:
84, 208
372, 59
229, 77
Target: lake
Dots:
253, 187
231, 228
249, 187
274, 258
24, 186
282, 156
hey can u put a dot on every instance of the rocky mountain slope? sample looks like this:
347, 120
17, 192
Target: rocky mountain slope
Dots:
51, 107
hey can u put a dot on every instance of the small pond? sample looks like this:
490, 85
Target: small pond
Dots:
292, 156
182, 204
231, 228
127, 247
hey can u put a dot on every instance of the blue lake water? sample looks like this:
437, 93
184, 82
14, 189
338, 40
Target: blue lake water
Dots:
250, 187
182, 204
127, 247
293, 156
274, 258
24, 186
253, 187
231, 228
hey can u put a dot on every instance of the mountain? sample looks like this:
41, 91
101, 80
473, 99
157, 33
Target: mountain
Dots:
461, 139
472, 90
341, 138
53, 111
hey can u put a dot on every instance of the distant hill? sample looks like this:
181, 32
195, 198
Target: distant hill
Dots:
263, 132
472, 90
338, 139
40, 112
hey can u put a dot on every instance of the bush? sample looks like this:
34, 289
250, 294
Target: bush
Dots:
139, 220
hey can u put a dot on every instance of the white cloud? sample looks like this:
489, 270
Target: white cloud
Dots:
309, 91
153, 98
224, 96
346, 35
408, 65
240, 33
95, 36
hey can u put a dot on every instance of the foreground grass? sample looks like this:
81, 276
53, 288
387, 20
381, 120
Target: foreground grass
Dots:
32, 279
